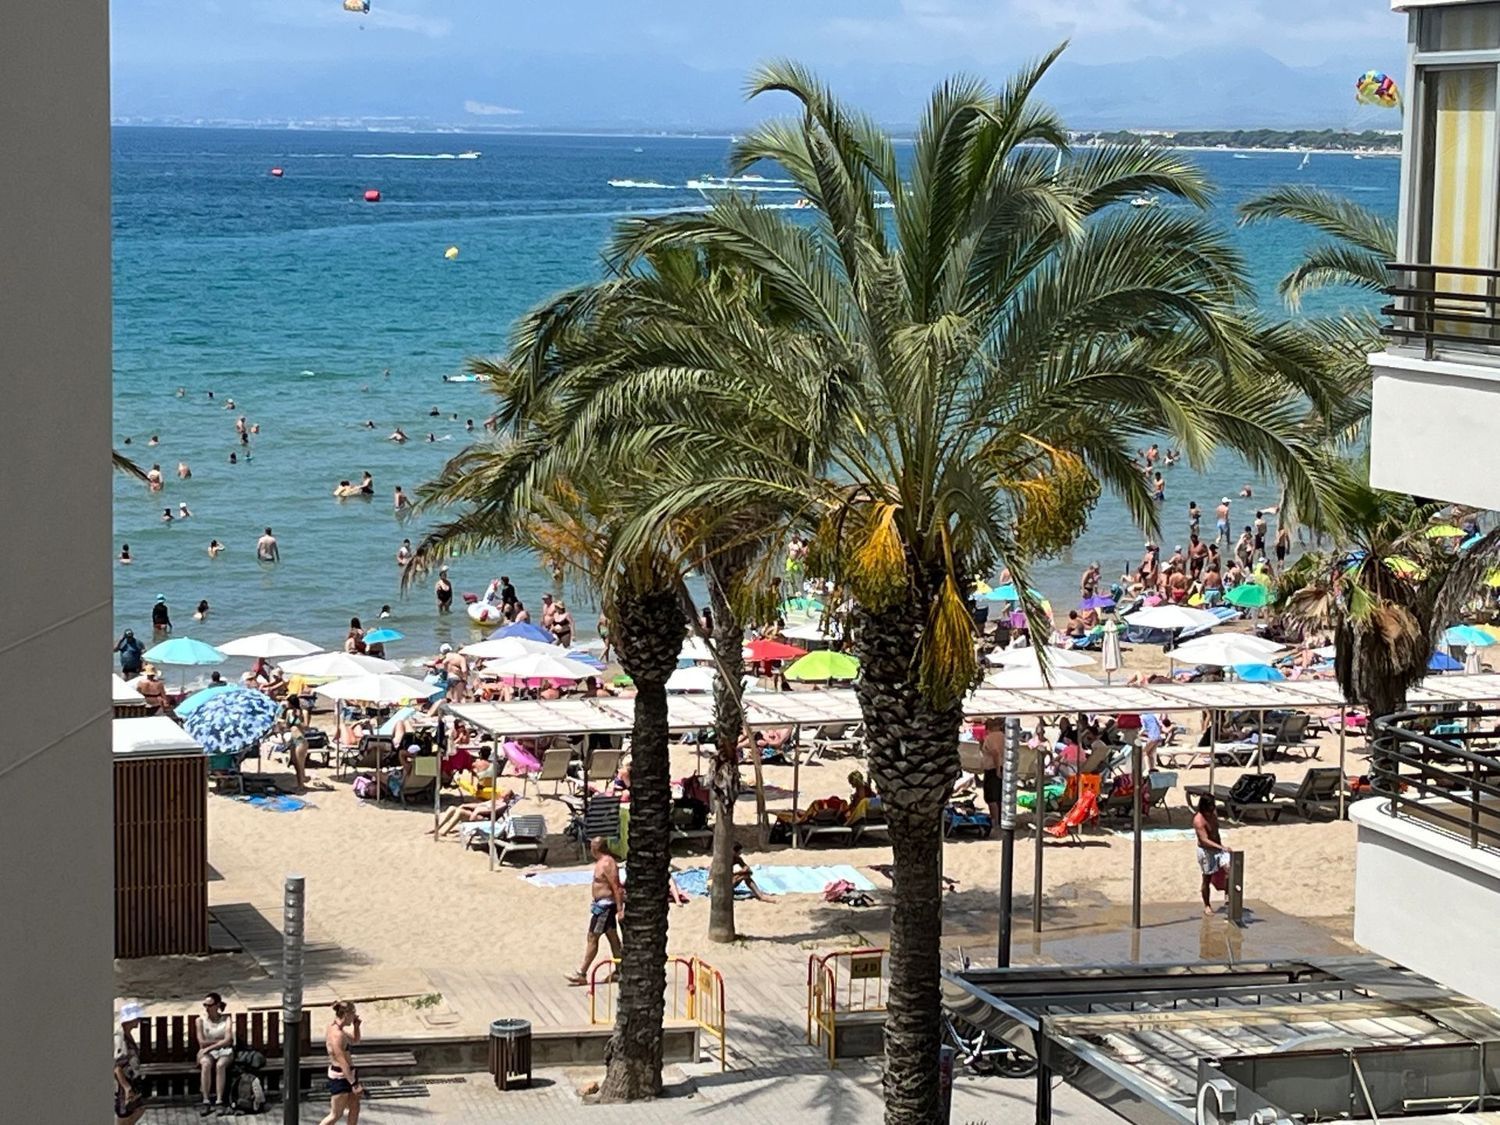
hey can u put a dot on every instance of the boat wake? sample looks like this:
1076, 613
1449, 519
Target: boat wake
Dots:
413, 156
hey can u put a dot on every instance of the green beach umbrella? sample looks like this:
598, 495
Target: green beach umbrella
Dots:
801, 604
1249, 595
825, 664
1445, 531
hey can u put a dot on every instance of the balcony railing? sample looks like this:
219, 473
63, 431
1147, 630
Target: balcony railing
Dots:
1441, 770
1443, 308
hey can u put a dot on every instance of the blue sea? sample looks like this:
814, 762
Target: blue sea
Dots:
316, 312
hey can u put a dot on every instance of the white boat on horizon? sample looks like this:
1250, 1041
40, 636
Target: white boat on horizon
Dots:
1144, 201
471, 154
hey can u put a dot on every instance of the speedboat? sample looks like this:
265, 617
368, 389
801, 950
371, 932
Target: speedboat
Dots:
472, 154
467, 378
1143, 201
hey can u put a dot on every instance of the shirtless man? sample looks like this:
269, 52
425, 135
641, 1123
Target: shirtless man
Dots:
1212, 854
267, 549
1197, 554
1221, 521
400, 501
455, 669
183, 472
549, 610
608, 905
992, 754
153, 478
403, 553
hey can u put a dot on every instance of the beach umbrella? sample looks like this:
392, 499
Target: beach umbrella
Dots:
1467, 636
336, 665
824, 665
505, 648
1226, 649
1444, 531
1112, 659
1022, 676
527, 632
232, 720
1249, 595
544, 666
1172, 617
184, 651
269, 646
1007, 592
1028, 656
761, 649
1326, 652
199, 698
801, 604
696, 649
582, 656
694, 678
399, 715
378, 688
982, 588
1257, 673
383, 636
1492, 580
1097, 601
1442, 662
812, 631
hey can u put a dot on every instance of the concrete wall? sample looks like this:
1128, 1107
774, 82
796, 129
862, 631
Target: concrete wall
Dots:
55, 878
1432, 430
1427, 901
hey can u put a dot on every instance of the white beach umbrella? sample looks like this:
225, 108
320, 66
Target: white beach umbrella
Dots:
378, 688
1028, 656
1224, 649
544, 666
1033, 677
269, 646
696, 649
811, 631
332, 665
694, 679
1172, 617
1112, 659
505, 648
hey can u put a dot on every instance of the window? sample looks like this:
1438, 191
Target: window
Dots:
1466, 27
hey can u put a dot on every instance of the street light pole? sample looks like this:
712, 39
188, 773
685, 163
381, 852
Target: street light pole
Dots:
1008, 835
292, 903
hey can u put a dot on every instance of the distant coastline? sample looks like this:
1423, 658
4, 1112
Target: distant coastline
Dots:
1368, 142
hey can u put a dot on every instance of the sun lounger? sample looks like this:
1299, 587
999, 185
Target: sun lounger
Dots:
966, 819
515, 835
1250, 795
1319, 791
601, 767
836, 740
421, 785
555, 763
868, 821
601, 818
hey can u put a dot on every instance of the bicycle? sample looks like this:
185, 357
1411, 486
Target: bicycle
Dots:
978, 1052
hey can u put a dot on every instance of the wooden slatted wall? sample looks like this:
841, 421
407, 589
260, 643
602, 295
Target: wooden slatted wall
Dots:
161, 856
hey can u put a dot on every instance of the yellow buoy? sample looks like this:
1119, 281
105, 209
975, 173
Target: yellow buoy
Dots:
451, 253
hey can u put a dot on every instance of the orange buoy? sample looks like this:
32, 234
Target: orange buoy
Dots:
276, 172
372, 196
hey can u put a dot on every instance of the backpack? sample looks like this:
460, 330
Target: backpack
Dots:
364, 787
249, 1093
842, 890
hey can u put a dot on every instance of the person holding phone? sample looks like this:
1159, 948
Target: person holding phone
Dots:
343, 1083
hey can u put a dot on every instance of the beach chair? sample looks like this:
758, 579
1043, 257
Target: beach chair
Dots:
555, 764
422, 784
224, 771
684, 826
1249, 795
868, 821
1319, 791
835, 740
600, 768
1084, 810
1291, 736
971, 758
600, 818
965, 818
514, 835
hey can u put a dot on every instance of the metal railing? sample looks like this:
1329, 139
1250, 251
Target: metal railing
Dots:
1433, 306
843, 982
1441, 770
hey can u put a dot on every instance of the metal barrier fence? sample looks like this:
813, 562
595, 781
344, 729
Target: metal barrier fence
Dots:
1423, 765
844, 981
695, 992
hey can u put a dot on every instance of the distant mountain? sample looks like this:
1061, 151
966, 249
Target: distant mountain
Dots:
1199, 89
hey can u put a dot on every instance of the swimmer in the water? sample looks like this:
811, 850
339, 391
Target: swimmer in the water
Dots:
214, 547
166, 515
401, 502
398, 435
183, 472
153, 478
387, 373
431, 436
125, 559
345, 490
434, 413
182, 510
229, 404
210, 394
182, 392
202, 611
127, 441
385, 611
244, 438
234, 459
255, 427
1246, 492
469, 425
367, 484
403, 553
153, 442
370, 424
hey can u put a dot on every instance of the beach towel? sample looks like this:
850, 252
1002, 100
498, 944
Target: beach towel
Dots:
282, 803
576, 877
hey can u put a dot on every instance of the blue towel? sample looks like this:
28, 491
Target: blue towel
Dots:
283, 803
781, 879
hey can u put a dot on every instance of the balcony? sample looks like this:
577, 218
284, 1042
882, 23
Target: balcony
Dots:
1436, 388
1427, 869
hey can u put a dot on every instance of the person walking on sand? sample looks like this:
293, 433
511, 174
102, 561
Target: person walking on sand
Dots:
606, 909
1212, 854
267, 549
344, 1089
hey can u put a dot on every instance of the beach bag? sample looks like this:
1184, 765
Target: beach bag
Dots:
843, 891
249, 1094
316, 739
364, 787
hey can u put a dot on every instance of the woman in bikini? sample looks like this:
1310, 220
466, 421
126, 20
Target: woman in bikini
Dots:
343, 1083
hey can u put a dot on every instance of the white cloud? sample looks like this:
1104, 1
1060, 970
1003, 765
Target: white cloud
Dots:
488, 109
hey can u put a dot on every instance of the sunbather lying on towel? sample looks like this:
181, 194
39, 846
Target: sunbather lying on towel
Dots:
471, 811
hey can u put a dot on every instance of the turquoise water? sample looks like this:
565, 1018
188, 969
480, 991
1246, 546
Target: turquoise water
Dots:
294, 298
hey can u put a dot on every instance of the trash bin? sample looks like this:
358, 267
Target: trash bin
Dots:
510, 1052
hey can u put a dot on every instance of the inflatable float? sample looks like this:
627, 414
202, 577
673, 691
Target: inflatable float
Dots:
486, 615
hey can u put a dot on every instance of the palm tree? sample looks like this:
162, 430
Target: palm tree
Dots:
123, 464
1387, 592
500, 505
964, 377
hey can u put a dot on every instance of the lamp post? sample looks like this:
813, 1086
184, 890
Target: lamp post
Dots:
291, 996
1008, 783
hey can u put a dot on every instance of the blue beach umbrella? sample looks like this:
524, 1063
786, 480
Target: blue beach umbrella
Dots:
186, 651
526, 631
383, 636
199, 698
1442, 662
1097, 601
1007, 592
1258, 673
1467, 636
588, 658
232, 720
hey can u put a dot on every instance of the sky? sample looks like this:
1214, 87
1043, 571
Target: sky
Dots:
676, 64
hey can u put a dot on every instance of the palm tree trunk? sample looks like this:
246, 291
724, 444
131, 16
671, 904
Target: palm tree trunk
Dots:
912, 748
724, 785
650, 629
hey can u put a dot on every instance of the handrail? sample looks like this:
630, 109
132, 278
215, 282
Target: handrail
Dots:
1436, 779
1424, 313
823, 991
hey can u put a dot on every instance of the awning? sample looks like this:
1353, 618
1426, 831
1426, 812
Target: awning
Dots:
154, 736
